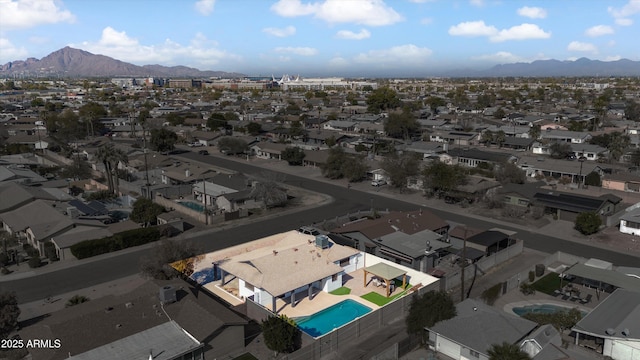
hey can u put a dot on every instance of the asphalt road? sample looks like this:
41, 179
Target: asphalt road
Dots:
91, 272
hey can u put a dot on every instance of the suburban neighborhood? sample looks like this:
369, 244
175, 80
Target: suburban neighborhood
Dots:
320, 218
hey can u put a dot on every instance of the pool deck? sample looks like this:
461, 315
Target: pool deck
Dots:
515, 298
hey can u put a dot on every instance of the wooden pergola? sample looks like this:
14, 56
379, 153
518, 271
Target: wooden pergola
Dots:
385, 272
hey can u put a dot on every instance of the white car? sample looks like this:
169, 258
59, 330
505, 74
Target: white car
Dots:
378, 182
196, 144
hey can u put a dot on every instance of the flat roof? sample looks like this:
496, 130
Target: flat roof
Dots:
162, 342
606, 276
616, 317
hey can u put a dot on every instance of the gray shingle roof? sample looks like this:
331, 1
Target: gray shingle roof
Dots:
619, 312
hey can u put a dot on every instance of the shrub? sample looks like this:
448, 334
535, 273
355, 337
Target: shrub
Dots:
119, 241
35, 262
50, 251
527, 289
588, 223
532, 276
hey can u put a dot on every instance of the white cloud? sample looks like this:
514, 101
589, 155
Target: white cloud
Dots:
477, 3
582, 47
532, 12
364, 12
200, 50
11, 52
473, 28
521, 32
426, 21
280, 32
338, 61
23, 14
350, 35
205, 7
302, 51
612, 58
398, 55
622, 15
599, 30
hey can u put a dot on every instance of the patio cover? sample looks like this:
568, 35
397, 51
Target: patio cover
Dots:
386, 272
606, 276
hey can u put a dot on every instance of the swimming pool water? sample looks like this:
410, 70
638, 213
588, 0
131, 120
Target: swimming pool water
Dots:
192, 205
332, 317
541, 309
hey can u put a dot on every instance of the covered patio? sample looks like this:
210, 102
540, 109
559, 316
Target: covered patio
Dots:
385, 272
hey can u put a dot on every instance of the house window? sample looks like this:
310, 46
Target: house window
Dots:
334, 277
344, 262
523, 202
474, 353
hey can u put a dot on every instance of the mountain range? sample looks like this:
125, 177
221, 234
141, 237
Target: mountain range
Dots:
70, 62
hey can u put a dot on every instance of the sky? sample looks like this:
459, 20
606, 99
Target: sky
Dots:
324, 37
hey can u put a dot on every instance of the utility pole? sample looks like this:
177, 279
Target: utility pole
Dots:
146, 165
204, 197
463, 263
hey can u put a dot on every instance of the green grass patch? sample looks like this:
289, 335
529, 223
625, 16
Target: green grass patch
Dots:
382, 300
341, 291
548, 283
246, 356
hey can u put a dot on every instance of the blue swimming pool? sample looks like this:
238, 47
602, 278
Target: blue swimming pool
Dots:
192, 205
331, 318
541, 309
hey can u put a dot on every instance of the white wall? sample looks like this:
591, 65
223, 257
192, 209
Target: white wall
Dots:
621, 350
628, 230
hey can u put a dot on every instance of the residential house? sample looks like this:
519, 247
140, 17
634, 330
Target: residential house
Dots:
630, 222
613, 327
567, 206
338, 125
519, 195
476, 157
621, 181
454, 138
19, 174
184, 173
573, 137
269, 150
575, 171
170, 320
475, 329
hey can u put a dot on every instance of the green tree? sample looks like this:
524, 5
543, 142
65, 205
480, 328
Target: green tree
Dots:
332, 168
588, 223
163, 140
429, 309
216, 121
635, 157
296, 129
281, 335
254, 128
507, 351
231, 145
487, 137
401, 167
559, 150
401, 125
355, 168
145, 211
632, 111
382, 99
593, 179
110, 158
9, 314
510, 173
80, 169
500, 137
293, 155
562, 320
499, 114
269, 191
76, 300
534, 132
157, 264
440, 178
434, 102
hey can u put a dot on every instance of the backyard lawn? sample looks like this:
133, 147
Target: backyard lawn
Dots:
382, 300
341, 291
548, 283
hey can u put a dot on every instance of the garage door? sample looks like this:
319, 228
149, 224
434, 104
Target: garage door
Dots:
448, 347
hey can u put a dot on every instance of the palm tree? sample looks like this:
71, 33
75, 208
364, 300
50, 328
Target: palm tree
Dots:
111, 157
507, 351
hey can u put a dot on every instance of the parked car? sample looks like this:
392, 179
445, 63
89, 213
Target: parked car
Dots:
196, 144
203, 152
378, 182
309, 230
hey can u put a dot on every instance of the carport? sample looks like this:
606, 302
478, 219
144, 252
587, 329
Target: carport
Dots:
387, 273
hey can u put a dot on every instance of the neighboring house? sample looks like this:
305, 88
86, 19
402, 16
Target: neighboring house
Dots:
574, 170
518, 143
567, 206
426, 149
475, 328
588, 151
269, 150
476, 157
574, 137
621, 181
630, 222
368, 235
613, 326
19, 174
454, 138
339, 125
169, 320
184, 173
520, 195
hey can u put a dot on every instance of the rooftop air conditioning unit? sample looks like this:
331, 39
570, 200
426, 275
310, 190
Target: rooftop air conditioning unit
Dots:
322, 241
167, 294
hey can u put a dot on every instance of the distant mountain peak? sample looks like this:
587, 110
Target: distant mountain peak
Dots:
72, 62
